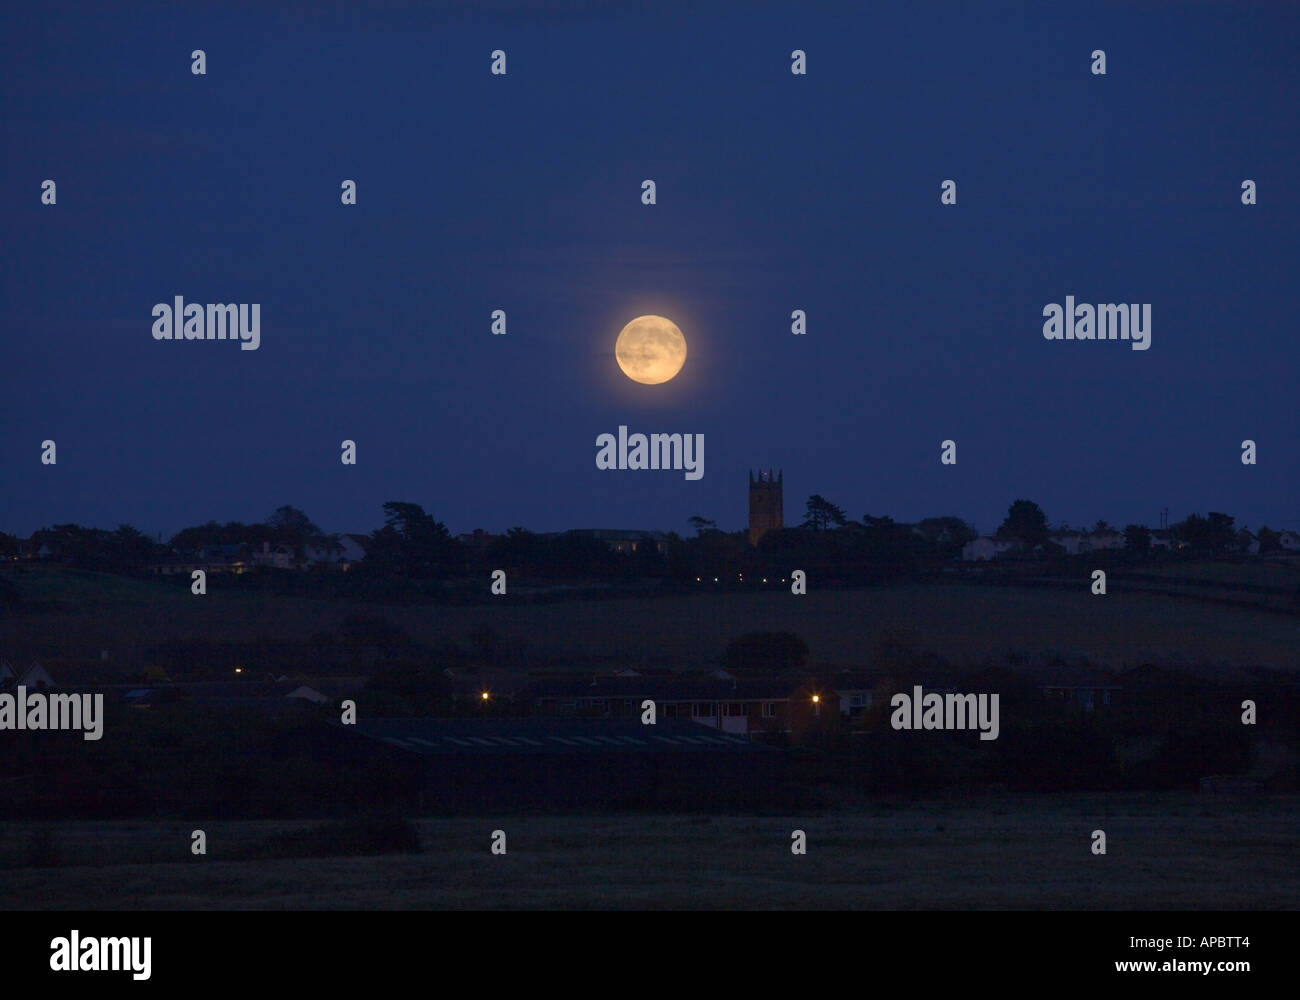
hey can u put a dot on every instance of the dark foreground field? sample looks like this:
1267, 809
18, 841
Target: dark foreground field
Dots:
68, 613
1174, 851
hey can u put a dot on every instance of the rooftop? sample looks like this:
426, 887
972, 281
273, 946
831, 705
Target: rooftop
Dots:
459, 736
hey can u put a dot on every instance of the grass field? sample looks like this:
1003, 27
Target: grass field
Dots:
1257, 572
1163, 851
76, 614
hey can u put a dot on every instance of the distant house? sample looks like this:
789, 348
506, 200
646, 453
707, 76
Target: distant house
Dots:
355, 548
314, 555
1081, 688
1074, 542
34, 678
984, 548
619, 539
225, 558
858, 691
499, 685
1100, 540
1289, 541
34, 548
476, 539
211, 559
1077, 542
341, 551
1161, 538
732, 706
855, 691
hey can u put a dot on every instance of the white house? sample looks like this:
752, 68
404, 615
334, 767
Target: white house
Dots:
354, 547
856, 692
277, 556
1098, 540
983, 549
1078, 542
1072, 541
350, 549
36, 677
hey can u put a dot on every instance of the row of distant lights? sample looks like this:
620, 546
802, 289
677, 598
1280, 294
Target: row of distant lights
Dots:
816, 699
486, 696
739, 576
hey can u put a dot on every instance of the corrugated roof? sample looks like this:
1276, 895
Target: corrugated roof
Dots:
459, 736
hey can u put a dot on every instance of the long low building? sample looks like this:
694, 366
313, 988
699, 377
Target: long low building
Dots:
459, 764
773, 705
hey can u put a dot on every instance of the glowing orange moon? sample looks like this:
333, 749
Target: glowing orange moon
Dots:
650, 350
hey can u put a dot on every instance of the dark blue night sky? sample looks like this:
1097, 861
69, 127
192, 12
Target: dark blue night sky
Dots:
775, 192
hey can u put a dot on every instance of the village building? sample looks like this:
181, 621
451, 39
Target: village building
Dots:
461, 764
733, 706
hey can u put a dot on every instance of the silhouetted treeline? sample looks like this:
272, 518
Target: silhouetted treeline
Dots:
414, 556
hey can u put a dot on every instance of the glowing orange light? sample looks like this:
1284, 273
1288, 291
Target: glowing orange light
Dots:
485, 696
817, 697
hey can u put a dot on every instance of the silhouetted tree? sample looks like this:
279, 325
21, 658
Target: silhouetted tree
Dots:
132, 549
1206, 535
412, 544
290, 526
947, 534
1026, 522
230, 533
518, 549
702, 524
1137, 537
822, 514
1221, 533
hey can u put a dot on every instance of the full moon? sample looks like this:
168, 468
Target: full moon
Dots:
650, 350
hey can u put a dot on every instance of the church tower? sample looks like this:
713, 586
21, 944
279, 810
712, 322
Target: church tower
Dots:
765, 512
